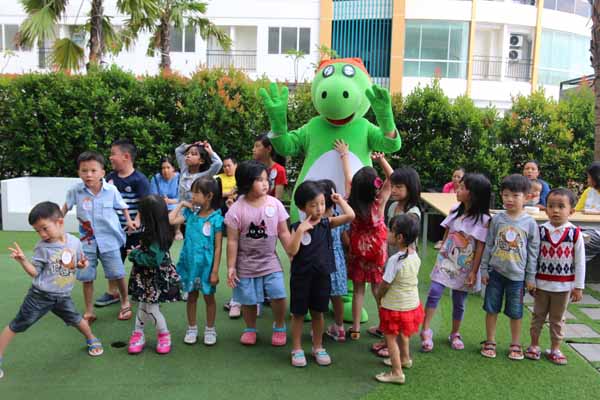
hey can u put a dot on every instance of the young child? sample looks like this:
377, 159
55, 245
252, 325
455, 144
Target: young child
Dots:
311, 249
55, 259
400, 310
531, 170
254, 222
153, 278
509, 262
101, 234
534, 195
452, 186
195, 161
405, 196
133, 185
263, 151
166, 185
339, 277
457, 264
367, 238
560, 274
200, 256
589, 202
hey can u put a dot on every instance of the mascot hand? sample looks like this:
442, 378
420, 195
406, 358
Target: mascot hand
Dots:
276, 106
381, 103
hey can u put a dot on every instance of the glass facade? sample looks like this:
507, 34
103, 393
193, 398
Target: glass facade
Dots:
436, 49
563, 56
579, 7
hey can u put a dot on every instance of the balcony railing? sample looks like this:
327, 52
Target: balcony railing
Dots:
244, 60
497, 68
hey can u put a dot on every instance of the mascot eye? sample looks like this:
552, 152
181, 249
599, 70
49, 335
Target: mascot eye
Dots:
328, 71
348, 70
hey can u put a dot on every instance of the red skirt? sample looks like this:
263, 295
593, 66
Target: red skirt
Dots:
360, 271
406, 323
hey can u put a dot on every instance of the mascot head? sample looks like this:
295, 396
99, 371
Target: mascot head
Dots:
338, 90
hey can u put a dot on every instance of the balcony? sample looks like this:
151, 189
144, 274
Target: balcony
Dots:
498, 68
244, 60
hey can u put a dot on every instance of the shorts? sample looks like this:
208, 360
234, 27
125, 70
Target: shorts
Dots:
406, 323
499, 287
38, 303
310, 290
131, 241
251, 291
111, 262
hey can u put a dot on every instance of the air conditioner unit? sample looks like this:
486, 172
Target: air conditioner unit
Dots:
516, 40
515, 55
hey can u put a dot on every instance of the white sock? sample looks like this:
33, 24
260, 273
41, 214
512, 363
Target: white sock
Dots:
193, 328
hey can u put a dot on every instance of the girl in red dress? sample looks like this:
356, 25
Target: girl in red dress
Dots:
368, 234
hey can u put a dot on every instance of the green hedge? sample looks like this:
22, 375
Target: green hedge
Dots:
46, 120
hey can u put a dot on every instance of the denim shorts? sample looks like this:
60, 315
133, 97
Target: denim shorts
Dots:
111, 262
251, 291
499, 287
38, 303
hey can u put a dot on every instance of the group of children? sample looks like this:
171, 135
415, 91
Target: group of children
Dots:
370, 238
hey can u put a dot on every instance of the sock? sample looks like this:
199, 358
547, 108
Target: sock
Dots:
209, 328
193, 328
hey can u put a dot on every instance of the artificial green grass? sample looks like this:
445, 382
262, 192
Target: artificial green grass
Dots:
49, 360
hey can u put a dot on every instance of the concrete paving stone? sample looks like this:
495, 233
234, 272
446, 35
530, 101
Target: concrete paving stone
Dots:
594, 286
590, 352
580, 331
588, 300
593, 313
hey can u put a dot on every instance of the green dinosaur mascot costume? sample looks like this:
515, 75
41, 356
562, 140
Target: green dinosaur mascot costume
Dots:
342, 93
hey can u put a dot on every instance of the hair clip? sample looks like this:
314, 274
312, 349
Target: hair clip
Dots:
378, 183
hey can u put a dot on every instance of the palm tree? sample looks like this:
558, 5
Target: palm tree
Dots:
44, 17
595, 58
174, 14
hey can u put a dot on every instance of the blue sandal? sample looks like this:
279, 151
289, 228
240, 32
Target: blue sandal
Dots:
94, 347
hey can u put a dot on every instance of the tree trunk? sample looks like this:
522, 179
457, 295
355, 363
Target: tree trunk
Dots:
595, 50
97, 12
165, 43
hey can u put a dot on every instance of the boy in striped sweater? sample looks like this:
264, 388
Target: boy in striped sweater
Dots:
560, 274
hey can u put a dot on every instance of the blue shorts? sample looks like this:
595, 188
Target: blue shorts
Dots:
251, 291
499, 287
38, 303
111, 262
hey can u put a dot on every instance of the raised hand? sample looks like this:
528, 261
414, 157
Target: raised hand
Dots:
276, 103
381, 103
16, 252
341, 147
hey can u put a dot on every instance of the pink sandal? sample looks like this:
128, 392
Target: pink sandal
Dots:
556, 357
163, 345
279, 337
248, 337
427, 341
456, 341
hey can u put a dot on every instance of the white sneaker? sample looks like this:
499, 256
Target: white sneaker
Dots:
191, 336
210, 336
235, 310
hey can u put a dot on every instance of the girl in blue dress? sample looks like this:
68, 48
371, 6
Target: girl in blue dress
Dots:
198, 264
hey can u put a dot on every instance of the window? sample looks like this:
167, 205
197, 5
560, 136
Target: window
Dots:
8, 37
283, 39
183, 40
579, 7
563, 56
436, 48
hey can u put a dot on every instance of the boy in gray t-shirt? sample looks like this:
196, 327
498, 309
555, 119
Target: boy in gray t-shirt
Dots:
55, 259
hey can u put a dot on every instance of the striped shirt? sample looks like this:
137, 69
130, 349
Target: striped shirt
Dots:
132, 189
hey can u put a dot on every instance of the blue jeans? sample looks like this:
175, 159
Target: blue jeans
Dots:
498, 287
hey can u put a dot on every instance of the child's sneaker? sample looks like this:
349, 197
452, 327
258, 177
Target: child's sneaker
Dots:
210, 336
164, 343
321, 357
298, 358
337, 333
191, 335
136, 343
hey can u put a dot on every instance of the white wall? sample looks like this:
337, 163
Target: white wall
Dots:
436, 9
451, 87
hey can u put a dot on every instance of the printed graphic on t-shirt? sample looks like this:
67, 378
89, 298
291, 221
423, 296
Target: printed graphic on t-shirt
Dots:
62, 265
257, 231
86, 231
272, 177
509, 242
457, 251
